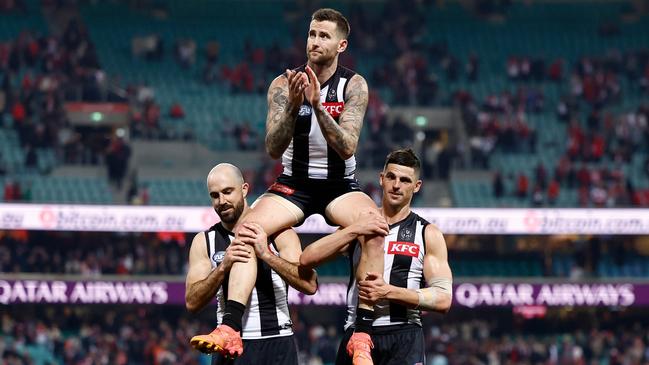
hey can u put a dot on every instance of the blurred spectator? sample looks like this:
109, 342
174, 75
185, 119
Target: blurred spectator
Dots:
212, 51
176, 111
513, 68
185, 52
498, 185
553, 192
472, 68
401, 133
31, 159
18, 112
522, 186
444, 162
541, 175
246, 137
563, 113
538, 196
11, 191
117, 158
150, 47
555, 71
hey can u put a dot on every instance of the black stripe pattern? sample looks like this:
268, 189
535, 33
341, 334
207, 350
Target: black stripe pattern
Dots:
264, 287
401, 269
301, 157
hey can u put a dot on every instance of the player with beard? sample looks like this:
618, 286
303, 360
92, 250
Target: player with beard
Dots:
266, 325
315, 116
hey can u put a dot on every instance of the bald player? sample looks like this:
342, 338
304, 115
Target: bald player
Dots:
266, 326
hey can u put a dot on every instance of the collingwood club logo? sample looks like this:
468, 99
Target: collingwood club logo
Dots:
332, 94
406, 234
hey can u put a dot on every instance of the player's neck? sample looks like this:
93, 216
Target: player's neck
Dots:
394, 214
324, 72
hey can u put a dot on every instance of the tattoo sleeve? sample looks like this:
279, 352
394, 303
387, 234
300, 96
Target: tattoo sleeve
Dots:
343, 136
280, 121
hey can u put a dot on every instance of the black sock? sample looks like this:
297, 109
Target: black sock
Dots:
364, 320
233, 314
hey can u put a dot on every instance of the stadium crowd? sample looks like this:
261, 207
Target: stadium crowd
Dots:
97, 254
40, 71
98, 335
93, 254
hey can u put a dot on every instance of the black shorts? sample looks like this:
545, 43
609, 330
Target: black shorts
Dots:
393, 345
312, 195
269, 351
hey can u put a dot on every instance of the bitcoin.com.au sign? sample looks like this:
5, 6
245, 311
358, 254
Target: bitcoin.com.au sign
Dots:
111, 218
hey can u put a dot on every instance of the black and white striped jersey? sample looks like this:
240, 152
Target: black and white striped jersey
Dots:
308, 155
266, 313
405, 248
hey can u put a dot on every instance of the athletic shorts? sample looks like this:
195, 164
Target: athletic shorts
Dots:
268, 351
393, 345
312, 195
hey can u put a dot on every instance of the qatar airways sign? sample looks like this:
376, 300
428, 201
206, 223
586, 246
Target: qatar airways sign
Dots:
84, 292
523, 294
329, 294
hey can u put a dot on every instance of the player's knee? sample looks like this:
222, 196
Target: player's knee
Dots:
373, 244
366, 211
370, 210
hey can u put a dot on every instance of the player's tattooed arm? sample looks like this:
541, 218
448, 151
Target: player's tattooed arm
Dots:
285, 95
343, 136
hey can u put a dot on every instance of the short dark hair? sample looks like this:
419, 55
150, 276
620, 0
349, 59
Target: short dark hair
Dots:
335, 16
404, 157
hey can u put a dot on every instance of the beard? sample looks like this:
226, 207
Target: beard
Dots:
318, 58
230, 216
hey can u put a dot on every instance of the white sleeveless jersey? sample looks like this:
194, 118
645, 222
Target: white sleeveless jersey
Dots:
266, 313
308, 155
405, 249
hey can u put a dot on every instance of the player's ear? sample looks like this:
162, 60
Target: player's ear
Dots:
417, 186
342, 46
244, 188
381, 178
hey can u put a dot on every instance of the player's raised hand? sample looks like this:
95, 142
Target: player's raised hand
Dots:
297, 82
312, 91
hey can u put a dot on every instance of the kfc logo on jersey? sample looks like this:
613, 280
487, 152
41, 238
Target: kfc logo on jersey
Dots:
403, 248
334, 109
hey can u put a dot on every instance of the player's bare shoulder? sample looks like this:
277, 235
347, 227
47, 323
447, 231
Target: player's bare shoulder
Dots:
198, 241
434, 237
